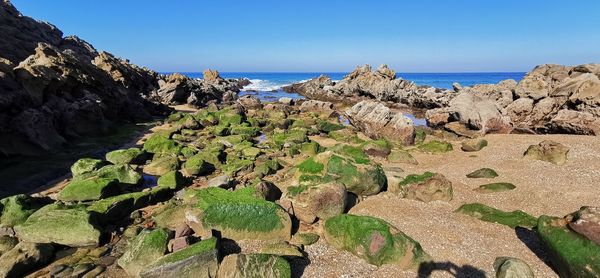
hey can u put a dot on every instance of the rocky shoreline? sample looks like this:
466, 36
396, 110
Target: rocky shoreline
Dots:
341, 184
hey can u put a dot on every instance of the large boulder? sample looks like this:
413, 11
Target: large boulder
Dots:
320, 201
146, 248
197, 260
61, 224
549, 151
373, 240
237, 215
87, 189
426, 187
378, 121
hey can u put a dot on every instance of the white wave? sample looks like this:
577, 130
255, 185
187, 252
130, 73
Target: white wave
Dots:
261, 85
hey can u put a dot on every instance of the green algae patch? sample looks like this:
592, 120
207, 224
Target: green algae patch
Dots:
483, 173
310, 166
380, 148
420, 135
357, 154
93, 188
124, 173
14, 210
327, 127
268, 167
190, 251
196, 165
495, 187
346, 136
373, 240
435, 147
571, 254
171, 180
85, 166
60, 224
305, 238
241, 215
125, 156
122, 205
415, 178
511, 219
310, 148
146, 248
160, 144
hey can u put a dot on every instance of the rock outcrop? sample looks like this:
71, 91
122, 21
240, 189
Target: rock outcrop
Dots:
378, 121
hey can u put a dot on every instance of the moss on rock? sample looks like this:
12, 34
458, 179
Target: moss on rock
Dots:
197, 260
85, 166
512, 219
124, 173
93, 188
161, 165
160, 144
436, 147
145, 249
254, 265
196, 165
483, 173
495, 187
171, 180
125, 156
14, 210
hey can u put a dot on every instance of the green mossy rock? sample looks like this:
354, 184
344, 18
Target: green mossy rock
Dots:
196, 165
346, 136
401, 156
122, 205
373, 240
305, 239
512, 219
548, 151
85, 165
172, 180
473, 145
145, 249
126, 156
14, 210
420, 135
495, 187
483, 173
55, 223
311, 148
296, 136
327, 127
171, 215
236, 164
161, 165
7, 243
318, 201
124, 173
240, 215
435, 147
25, 257
281, 249
188, 152
268, 167
197, 260
425, 187
93, 188
251, 152
254, 265
244, 130
379, 148
571, 254
160, 144
507, 267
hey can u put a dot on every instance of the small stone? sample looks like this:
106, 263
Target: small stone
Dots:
426, 187
94, 272
183, 230
254, 265
495, 187
81, 269
7, 243
549, 151
483, 173
473, 145
57, 268
281, 249
223, 181
178, 243
512, 268
304, 239
401, 156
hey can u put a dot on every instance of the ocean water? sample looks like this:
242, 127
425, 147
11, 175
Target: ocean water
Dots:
267, 85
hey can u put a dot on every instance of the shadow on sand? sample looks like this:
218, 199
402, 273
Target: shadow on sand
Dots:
426, 270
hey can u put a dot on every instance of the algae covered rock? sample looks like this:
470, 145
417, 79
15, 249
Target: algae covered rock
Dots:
473, 145
125, 156
161, 144
7, 243
401, 156
161, 165
345, 164
304, 238
197, 260
483, 173
512, 219
25, 257
379, 148
435, 147
93, 188
85, 165
238, 215
426, 187
145, 249
254, 265
171, 180
55, 223
320, 201
373, 240
549, 151
512, 268
281, 249
571, 254
196, 165
586, 222
495, 187
124, 173
16, 209
120, 206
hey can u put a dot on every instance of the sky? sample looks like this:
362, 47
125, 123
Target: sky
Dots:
332, 35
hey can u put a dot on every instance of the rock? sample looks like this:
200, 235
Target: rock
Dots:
7, 243
316, 106
126, 156
549, 151
512, 219
178, 243
238, 215
327, 127
161, 165
281, 249
93, 188
495, 187
571, 254
172, 180
223, 181
60, 224
377, 121
426, 187
159, 144
461, 130
286, 100
347, 165
145, 249
25, 257
436, 147
373, 240
378, 148
123, 173
320, 201
95, 272
211, 75
586, 222
117, 207
14, 210
195, 165
249, 102
473, 145
197, 260
483, 173
305, 239
85, 166
254, 265
532, 86
401, 156
569, 121
507, 267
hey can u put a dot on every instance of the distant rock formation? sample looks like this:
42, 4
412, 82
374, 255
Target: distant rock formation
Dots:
53, 89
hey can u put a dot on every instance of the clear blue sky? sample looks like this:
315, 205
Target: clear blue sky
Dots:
333, 35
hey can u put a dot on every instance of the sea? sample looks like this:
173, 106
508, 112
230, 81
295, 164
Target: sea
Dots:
267, 85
